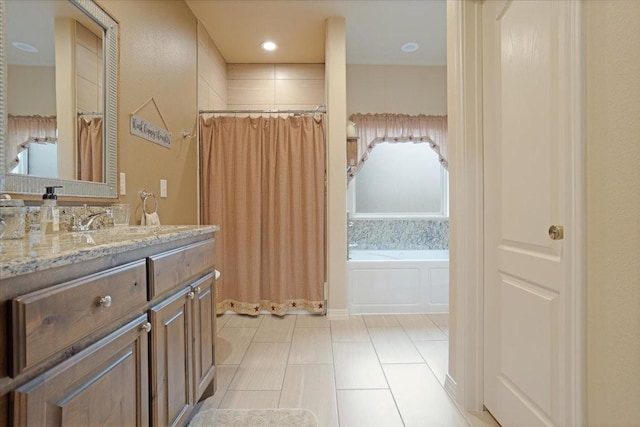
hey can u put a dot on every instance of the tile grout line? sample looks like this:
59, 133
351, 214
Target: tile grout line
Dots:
393, 396
286, 368
295, 327
241, 359
386, 379
429, 366
420, 353
335, 381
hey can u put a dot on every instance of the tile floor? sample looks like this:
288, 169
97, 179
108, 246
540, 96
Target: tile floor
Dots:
371, 370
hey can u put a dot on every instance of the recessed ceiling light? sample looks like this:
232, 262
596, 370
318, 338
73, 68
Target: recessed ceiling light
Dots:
269, 45
25, 47
410, 47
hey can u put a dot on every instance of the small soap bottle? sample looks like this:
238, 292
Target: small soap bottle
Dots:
49, 213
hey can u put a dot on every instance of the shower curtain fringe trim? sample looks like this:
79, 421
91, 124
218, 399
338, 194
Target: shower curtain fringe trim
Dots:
279, 309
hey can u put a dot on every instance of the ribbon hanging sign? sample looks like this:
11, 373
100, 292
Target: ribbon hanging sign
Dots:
147, 130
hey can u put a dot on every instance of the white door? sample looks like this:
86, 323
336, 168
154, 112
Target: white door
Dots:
531, 107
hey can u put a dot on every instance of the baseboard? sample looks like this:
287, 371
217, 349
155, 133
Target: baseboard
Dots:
342, 314
450, 387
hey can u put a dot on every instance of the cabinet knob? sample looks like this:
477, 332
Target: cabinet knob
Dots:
191, 295
197, 290
105, 301
146, 326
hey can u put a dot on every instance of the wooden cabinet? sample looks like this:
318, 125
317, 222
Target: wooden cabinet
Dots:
79, 352
105, 384
171, 382
204, 334
50, 320
182, 351
169, 269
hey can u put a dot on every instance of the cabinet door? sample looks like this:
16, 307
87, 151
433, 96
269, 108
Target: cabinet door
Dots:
106, 384
171, 384
204, 335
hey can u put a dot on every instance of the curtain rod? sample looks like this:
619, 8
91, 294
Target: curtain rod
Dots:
317, 110
90, 113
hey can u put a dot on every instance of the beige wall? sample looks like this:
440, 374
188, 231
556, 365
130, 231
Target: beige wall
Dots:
89, 88
212, 73
89, 73
396, 89
65, 97
336, 93
158, 58
32, 90
275, 86
613, 212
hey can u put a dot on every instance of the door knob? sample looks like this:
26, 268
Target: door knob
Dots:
556, 232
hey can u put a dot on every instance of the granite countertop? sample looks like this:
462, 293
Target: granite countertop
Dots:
36, 252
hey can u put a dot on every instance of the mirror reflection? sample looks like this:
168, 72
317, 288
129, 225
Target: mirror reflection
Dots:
55, 91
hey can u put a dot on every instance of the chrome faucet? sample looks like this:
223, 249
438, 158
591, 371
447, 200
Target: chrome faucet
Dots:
84, 224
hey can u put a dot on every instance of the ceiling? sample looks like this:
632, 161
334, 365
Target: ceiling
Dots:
375, 29
32, 22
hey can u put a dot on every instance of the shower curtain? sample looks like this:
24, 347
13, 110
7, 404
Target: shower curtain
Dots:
262, 182
90, 149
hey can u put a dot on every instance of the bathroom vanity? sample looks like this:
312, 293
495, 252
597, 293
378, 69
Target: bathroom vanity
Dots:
111, 326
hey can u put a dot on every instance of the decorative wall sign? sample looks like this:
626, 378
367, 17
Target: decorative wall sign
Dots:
147, 130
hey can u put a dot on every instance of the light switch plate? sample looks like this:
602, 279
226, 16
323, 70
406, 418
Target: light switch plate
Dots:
123, 184
163, 188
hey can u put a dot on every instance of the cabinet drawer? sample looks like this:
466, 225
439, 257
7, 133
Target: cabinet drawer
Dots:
48, 321
171, 269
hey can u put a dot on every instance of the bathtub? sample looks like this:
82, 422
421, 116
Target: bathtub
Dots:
403, 281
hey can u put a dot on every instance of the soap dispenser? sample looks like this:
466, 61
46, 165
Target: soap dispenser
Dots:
49, 212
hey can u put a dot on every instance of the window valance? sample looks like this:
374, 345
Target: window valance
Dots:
374, 128
24, 130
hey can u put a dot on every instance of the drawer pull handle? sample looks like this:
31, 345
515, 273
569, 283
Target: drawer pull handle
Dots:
105, 301
191, 295
197, 290
146, 326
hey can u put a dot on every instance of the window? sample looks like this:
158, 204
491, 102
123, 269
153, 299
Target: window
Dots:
400, 180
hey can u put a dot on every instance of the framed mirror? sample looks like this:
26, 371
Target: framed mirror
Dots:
58, 103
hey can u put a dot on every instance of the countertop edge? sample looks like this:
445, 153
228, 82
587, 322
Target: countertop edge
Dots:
37, 253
